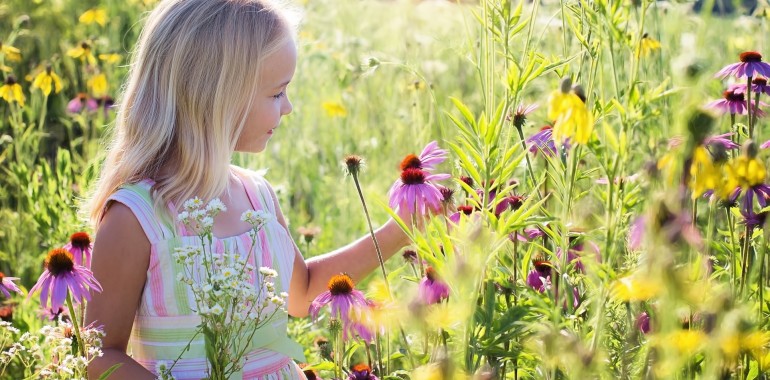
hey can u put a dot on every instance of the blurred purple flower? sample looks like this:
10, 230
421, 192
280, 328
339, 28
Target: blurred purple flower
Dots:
750, 64
542, 141
540, 277
432, 289
361, 372
76, 104
643, 322
529, 235
7, 286
734, 103
722, 140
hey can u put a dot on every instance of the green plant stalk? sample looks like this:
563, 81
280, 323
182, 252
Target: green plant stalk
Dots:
76, 326
371, 232
529, 162
745, 257
748, 111
733, 266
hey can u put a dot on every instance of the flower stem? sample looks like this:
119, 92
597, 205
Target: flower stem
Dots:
76, 326
371, 231
748, 108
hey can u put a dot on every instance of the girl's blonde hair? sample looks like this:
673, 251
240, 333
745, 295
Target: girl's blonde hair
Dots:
194, 73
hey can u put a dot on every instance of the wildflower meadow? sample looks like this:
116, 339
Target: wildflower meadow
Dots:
586, 183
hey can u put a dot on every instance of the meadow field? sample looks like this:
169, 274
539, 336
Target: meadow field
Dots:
629, 134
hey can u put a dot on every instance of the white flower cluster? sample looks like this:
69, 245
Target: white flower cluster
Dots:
55, 357
230, 295
200, 218
257, 219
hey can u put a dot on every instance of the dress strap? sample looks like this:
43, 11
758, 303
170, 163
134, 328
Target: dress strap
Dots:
136, 196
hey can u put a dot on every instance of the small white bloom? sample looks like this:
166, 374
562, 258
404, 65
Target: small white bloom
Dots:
277, 301
183, 216
268, 272
192, 204
217, 309
207, 222
215, 206
284, 295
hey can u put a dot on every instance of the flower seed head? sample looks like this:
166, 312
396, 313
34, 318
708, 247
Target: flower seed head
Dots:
750, 148
353, 164
431, 274
59, 260
409, 256
10, 80
80, 240
759, 81
340, 284
566, 85
750, 56
447, 195
413, 176
733, 96
411, 161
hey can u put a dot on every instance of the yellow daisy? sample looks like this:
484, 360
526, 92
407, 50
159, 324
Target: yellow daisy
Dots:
94, 15
334, 109
110, 58
11, 91
84, 53
10, 52
572, 119
704, 174
647, 45
46, 81
98, 85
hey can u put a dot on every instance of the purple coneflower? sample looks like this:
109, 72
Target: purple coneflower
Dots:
723, 140
574, 254
643, 322
750, 65
734, 103
431, 156
361, 372
511, 202
542, 141
761, 192
520, 116
343, 298
7, 286
540, 277
461, 210
432, 290
529, 235
76, 104
80, 246
415, 190
758, 86
61, 276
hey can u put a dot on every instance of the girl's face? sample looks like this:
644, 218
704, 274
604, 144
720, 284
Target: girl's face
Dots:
271, 101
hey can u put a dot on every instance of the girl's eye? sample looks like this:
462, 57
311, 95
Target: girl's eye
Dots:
279, 95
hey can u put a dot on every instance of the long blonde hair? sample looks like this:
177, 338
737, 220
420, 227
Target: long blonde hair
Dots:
193, 76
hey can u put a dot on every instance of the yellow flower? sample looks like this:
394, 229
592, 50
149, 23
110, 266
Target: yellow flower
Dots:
688, 342
46, 81
84, 53
647, 45
10, 52
704, 174
634, 288
94, 15
572, 119
743, 171
5, 68
110, 58
334, 109
98, 85
11, 91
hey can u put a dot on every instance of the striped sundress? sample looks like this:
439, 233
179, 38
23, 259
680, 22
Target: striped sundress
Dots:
165, 322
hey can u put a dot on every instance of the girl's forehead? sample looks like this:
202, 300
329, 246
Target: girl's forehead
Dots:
278, 67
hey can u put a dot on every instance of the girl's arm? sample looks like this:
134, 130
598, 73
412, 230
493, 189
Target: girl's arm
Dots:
357, 259
120, 261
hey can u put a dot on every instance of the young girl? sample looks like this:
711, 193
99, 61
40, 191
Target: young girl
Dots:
209, 78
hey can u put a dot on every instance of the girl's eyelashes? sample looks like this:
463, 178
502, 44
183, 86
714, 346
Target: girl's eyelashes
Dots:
279, 95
